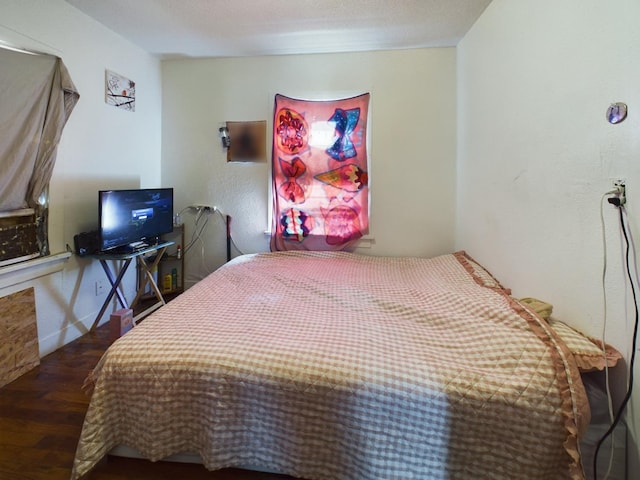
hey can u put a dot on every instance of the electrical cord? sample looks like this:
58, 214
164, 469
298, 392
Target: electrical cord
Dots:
627, 397
198, 231
196, 237
607, 382
204, 211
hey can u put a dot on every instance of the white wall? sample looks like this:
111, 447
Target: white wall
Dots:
412, 145
412, 135
535, 155
101, 147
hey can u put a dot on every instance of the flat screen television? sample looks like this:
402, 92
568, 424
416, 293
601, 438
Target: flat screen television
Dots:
132, 218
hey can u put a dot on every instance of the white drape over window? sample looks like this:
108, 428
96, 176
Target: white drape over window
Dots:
36, 99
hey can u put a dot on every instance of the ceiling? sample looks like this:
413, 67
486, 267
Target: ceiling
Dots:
233, 28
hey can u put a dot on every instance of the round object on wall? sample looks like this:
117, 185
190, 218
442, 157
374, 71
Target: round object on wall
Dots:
616, 112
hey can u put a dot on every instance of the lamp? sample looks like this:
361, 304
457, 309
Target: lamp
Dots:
224, 136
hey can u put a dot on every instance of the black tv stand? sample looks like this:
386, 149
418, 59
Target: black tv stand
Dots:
115, 280
130, 248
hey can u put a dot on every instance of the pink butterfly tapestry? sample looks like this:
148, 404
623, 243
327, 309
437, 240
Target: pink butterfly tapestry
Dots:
320, 179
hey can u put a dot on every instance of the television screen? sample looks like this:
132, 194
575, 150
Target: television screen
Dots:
131, 217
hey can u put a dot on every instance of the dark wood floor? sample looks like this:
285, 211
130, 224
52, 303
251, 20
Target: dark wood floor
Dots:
41, 416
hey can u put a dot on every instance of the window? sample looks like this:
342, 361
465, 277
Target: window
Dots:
37, 97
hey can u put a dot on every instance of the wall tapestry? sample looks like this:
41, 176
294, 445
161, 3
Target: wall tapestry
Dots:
119, 91
320, 180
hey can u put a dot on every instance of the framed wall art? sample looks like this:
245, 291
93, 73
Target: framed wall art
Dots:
248, 141
119, 91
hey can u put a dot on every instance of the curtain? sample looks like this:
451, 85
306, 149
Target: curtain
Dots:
320, 173
37, 96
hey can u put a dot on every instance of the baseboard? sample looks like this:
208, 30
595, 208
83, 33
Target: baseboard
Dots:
68, 333
184, 457
128, 452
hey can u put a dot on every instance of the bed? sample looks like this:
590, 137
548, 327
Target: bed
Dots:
333, 365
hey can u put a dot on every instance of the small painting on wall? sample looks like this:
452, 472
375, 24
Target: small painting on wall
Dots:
248, 141
119, 91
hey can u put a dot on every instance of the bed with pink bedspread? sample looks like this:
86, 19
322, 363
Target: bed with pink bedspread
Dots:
331, 366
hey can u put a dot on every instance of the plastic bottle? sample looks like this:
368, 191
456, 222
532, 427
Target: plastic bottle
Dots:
174, 278
179, 252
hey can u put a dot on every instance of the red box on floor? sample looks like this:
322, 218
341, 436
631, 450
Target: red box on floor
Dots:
121, 321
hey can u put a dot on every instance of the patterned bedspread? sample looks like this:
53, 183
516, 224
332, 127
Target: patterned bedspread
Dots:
340, 366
